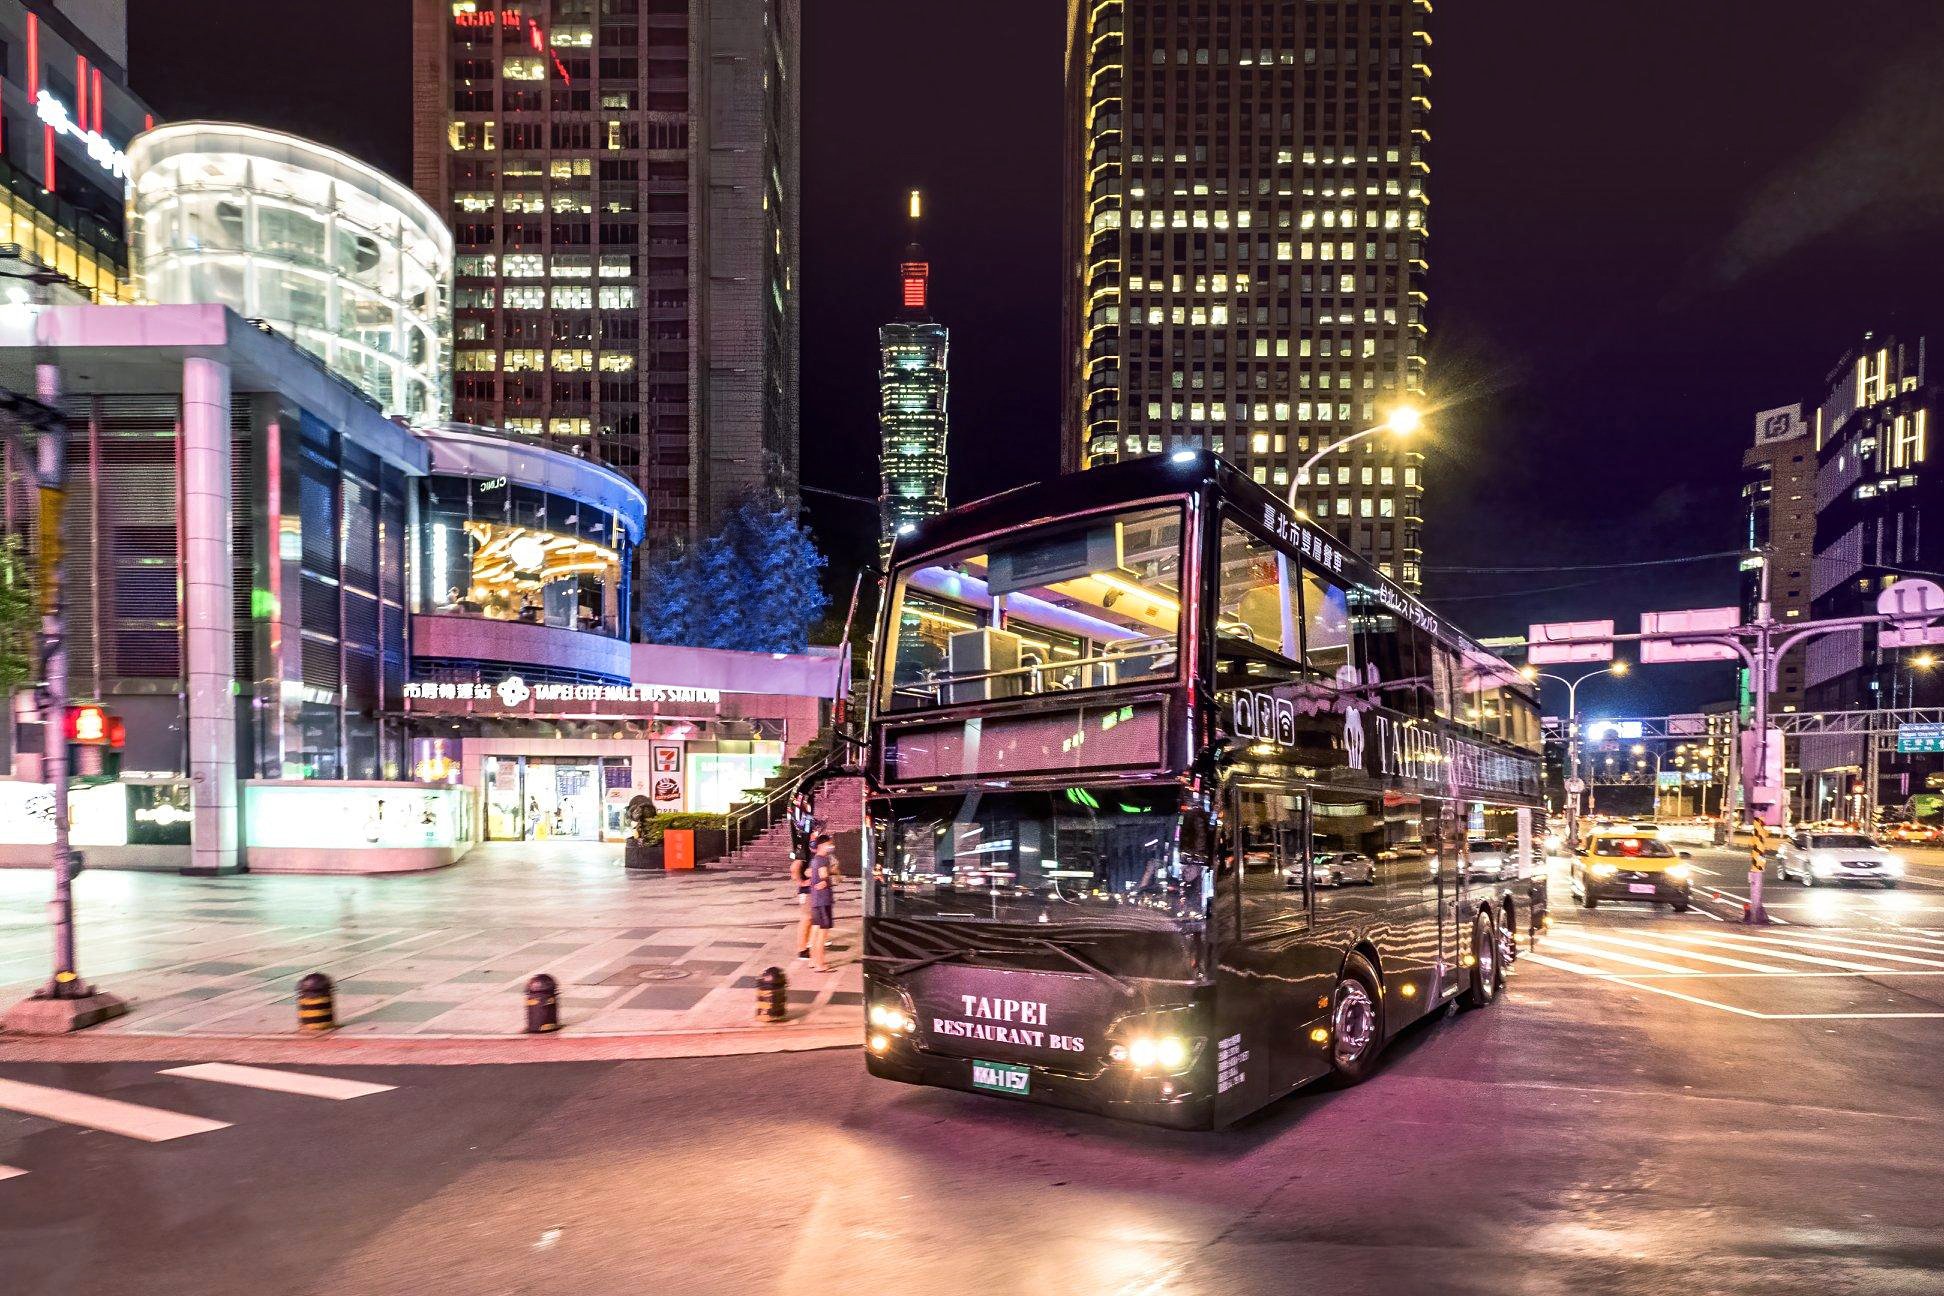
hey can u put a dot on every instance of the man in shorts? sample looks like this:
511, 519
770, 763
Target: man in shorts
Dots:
821, 874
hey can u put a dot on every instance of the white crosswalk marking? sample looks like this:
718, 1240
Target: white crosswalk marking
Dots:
151, 1124
1879, 950
1769, 949
1705, 952
1594, 951
1715, 959
292, 1082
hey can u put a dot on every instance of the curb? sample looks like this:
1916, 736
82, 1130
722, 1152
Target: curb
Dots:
449, 1050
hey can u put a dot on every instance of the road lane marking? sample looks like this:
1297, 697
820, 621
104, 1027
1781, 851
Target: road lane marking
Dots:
292, 1082
1859, 945
1651, 948
1615, 978
1763, 946
10, 1172
150, 1124
1594, 951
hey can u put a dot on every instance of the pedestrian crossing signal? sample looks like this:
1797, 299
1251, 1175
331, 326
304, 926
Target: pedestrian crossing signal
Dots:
95, 741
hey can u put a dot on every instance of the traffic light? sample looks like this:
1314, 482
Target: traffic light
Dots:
95, 738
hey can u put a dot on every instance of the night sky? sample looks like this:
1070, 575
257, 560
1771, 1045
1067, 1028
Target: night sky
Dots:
1648, 221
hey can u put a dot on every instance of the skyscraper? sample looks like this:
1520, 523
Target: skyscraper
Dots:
621, 180
912, 386
1246, 223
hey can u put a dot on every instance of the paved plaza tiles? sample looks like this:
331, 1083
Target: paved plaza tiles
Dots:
440, 954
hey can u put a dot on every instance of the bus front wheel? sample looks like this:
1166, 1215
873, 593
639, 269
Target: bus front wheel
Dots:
1487, 970
1356, 1022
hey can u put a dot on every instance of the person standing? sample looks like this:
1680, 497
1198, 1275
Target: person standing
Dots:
800, 875
822, 873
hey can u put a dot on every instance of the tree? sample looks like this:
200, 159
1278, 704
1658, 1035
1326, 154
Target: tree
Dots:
19, 619
754, 585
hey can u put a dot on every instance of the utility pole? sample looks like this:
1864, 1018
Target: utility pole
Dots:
66, 1003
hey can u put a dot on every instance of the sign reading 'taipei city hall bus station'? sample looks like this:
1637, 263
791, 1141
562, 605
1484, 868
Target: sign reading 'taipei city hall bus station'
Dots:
513, 696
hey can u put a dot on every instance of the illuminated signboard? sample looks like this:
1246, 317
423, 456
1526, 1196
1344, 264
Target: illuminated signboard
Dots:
513, 692
105, 155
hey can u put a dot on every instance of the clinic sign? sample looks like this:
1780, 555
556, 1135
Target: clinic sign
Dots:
512, 694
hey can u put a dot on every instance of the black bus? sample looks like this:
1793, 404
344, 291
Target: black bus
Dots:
1173, 801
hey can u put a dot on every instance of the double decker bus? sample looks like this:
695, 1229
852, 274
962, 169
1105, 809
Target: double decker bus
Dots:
1174, 801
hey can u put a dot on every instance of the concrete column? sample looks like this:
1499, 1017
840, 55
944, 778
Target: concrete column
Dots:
208, 593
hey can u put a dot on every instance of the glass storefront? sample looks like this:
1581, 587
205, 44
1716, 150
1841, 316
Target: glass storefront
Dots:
507, 552
531, 798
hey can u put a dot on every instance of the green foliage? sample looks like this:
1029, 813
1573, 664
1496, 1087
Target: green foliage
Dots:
19, 619
652, 829
755, 585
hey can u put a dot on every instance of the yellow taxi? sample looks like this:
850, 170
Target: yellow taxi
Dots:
1627, 864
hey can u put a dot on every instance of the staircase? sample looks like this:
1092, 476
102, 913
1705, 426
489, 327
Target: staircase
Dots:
764, 825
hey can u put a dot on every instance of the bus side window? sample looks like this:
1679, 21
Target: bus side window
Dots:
1270, 847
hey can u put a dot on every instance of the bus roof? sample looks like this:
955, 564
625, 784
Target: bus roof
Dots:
1186, 472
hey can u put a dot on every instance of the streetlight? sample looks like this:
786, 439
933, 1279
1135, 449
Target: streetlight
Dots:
1617, 670
1403, 421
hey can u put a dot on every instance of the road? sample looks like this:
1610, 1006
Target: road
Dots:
1660, 1103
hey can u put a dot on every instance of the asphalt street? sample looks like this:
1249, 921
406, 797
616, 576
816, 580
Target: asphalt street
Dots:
1660, 1103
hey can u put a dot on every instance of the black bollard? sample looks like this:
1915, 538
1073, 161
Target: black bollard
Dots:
772, 995
316, 1008
542, 1004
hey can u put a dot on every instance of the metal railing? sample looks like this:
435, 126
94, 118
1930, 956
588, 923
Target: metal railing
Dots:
753, 820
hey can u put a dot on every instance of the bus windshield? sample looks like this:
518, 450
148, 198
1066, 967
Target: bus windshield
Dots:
1076, 855
1067, 606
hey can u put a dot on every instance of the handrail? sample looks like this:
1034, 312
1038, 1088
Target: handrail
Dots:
739, 829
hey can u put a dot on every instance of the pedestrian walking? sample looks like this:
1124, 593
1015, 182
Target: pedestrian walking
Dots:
822, 873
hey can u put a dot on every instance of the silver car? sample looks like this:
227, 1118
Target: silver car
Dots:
1341, 868
1816, 857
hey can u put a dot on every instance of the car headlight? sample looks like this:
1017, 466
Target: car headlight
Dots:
1822, 863
1603, 869
1679, 872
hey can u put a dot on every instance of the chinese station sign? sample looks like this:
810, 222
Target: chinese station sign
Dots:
512, 695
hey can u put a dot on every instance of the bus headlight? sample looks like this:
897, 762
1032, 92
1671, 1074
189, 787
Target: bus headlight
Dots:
1165, 1053
885, 1016
1603, 869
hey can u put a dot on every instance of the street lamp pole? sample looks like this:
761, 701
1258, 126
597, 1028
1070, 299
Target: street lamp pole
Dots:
1403, 421
1617, 670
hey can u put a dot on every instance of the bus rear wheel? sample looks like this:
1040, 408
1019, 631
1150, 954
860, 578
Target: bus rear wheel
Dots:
1356, 1022
1488, 972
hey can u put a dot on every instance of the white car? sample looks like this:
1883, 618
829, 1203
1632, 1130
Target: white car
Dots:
1814, 857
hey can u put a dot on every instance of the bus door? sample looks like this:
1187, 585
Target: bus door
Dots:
1452, 880
1270, 976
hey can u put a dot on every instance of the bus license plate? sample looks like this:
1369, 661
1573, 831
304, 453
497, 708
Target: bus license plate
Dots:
1641, 888
1001, 1077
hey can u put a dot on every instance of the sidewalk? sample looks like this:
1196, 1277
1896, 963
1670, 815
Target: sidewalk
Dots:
444, 956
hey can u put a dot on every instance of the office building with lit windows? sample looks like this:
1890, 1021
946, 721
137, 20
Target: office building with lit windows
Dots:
1876, 487
621, 181
913, 387
1246, 226
69, 116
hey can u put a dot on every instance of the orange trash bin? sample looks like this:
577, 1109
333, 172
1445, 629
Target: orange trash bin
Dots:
678, 848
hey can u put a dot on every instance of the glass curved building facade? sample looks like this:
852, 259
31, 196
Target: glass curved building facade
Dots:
347, 262
520, 533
